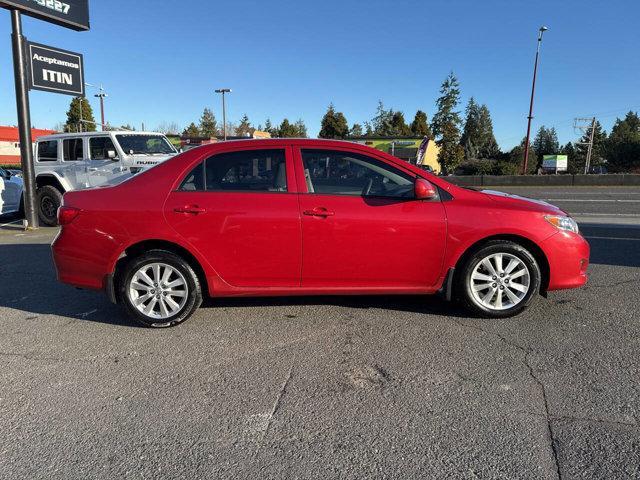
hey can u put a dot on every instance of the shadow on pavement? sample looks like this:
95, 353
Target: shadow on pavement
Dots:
28, 283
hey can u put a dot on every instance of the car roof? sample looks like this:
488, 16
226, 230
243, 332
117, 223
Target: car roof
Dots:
58, 136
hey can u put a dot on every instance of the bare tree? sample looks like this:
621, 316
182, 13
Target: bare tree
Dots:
168, 128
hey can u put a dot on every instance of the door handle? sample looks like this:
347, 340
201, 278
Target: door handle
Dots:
92, 169
193, 209
319, 212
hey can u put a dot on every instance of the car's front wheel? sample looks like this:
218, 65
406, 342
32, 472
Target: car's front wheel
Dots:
159, 289
499, 280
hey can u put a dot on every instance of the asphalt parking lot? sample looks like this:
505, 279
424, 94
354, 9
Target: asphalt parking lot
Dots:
357, 387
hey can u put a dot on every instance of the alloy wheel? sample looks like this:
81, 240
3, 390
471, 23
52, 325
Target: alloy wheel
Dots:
499, 281
158, 290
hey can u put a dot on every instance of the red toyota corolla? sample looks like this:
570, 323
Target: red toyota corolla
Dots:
309, 217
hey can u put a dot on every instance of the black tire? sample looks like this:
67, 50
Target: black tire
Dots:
194, 289
49, 200
463, 278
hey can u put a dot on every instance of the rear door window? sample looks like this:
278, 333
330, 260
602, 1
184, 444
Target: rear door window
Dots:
48, 151
73, 150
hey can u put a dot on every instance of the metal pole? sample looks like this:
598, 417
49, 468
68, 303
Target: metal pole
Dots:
533, 90
587, 164
224, 109
24, 120
102, 111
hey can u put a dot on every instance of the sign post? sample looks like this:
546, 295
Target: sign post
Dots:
72, 14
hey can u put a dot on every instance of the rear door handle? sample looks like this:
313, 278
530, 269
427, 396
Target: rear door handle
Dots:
193, 209
319, 212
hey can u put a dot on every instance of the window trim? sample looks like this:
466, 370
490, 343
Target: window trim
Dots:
64, 160
202, 163
48, 159
89, 156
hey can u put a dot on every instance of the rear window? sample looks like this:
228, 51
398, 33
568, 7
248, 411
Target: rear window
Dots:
48, 151
73, 150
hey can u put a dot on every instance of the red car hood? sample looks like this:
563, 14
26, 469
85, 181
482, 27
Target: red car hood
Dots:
523, 202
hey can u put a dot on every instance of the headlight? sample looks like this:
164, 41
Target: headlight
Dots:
563, 223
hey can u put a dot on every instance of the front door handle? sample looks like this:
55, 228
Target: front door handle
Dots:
192, 209
92, 169
319, 212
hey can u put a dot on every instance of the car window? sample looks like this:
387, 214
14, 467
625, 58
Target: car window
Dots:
248, 170
48, 151
99, 148
347, 173
72, 150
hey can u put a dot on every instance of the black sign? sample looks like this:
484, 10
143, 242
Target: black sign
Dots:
67, 13
55, 70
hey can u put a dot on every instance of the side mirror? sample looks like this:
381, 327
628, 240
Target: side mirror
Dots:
424, 190
112, 155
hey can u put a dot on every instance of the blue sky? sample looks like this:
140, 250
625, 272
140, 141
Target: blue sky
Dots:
161, 60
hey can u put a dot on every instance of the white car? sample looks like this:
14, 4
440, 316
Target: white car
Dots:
76, 161
11, 189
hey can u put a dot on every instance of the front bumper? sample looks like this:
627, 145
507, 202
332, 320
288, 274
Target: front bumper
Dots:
568, 256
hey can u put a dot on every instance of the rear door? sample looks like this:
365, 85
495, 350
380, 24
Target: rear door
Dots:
73, 162
239, 209
362, 228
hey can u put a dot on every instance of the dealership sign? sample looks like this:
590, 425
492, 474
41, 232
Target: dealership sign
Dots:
55, 70
67, 13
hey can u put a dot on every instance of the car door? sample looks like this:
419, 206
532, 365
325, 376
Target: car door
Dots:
100, 168
74, 163
362, 227
239, 209
10, 192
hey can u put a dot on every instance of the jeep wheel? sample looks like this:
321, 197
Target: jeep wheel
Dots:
49, 200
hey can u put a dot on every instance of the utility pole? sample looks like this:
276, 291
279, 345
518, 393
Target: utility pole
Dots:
586, 125
101, 95
224, 110
24, 120
533, 90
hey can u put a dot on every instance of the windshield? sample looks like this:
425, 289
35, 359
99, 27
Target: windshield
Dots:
145, 145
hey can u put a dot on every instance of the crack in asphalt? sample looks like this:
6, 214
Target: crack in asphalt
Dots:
274, 408
526, 351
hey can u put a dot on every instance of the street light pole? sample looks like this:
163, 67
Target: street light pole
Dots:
533, 90
224, 110
101, 95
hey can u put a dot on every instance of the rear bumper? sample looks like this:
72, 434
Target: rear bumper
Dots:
78, 265
568, 256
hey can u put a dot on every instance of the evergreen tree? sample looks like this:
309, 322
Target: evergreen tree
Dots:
356, 130
419, 126
545, 143
488, 145
333, 124
80, 116
382, 122
244, 128
270, 129
287, 130
208, 124
368, 129
301, 129
516, 157
623, 146
573, 164
191, 131
470, 139
446, 125
398, 125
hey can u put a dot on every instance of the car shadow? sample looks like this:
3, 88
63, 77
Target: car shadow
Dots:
28, 283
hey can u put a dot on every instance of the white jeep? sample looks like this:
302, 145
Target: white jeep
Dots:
75, 161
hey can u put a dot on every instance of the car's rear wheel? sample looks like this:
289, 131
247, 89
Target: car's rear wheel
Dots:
499, 280
49, 200
159, 289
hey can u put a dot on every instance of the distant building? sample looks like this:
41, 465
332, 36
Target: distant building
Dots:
187, 142
10, 143
405, 148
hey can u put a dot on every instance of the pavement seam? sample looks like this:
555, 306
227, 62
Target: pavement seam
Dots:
526, 351
275, 408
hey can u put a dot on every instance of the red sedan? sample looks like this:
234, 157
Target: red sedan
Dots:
309, 217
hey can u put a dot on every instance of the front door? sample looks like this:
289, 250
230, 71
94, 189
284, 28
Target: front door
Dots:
236, 209
100, 168
362, 228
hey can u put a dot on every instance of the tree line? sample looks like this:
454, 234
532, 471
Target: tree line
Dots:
467, 141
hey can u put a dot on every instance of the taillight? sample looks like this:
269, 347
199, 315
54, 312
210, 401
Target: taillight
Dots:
66, 215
